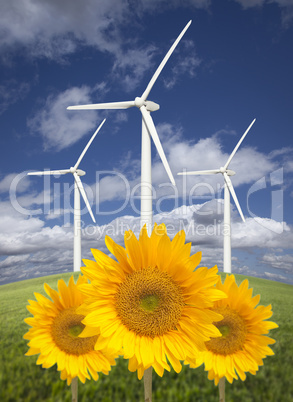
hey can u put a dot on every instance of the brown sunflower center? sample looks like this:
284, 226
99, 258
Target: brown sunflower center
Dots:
65, 330
233, 330
149, 302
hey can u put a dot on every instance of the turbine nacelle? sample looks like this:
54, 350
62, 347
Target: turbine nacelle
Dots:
225, 172
228, 171
76, 172
144, 106
79, 172
150, 106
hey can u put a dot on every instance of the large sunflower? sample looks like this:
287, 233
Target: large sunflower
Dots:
150, 303
243, 344
54, 331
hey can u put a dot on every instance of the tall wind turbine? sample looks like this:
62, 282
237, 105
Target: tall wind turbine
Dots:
228, 189
148, 130
78, 189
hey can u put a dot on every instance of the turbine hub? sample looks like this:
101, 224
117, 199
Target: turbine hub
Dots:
139, 102
222, 169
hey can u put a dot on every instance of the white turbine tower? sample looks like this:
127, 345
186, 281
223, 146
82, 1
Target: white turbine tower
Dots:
148, 130
227, 190
78, 189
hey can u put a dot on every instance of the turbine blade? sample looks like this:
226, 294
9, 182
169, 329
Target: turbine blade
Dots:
232, 192
163, 62
83, 193
88, 144
238, 145
153, 133
111, 105
199, 172
47, 172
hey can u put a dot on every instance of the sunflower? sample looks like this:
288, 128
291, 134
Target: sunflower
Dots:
54, 331
243, 344
150, 303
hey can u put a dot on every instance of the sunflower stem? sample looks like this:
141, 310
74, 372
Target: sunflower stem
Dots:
147, 378
222, 389
74, 389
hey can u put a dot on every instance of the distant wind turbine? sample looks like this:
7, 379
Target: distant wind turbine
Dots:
227, 190
78, 189
148, 130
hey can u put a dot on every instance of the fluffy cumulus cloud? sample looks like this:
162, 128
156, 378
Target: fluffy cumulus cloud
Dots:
23, 238
283, 262
53, 28
57, 28
131, 64
123, 184
201, 155
275, 277
59, 127
30, 247
18, 181
203, 226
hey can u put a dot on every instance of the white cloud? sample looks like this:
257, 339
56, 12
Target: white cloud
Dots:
275, 277
203, 225
14, 260
205, 154
284, 155
42, 263
21, 182
112, 187
30, 248
131, 65
59, 127
284, 262
23, 233
20, 233
262, 233
123, 183
245, 270
186, 63
52, 28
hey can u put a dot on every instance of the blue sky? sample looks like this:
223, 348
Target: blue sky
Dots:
233, 64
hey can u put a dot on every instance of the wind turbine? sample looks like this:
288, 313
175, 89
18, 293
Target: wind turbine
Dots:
78, 189
148, 130
228, 189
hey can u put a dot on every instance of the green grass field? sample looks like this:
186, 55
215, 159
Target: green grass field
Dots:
22, 380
